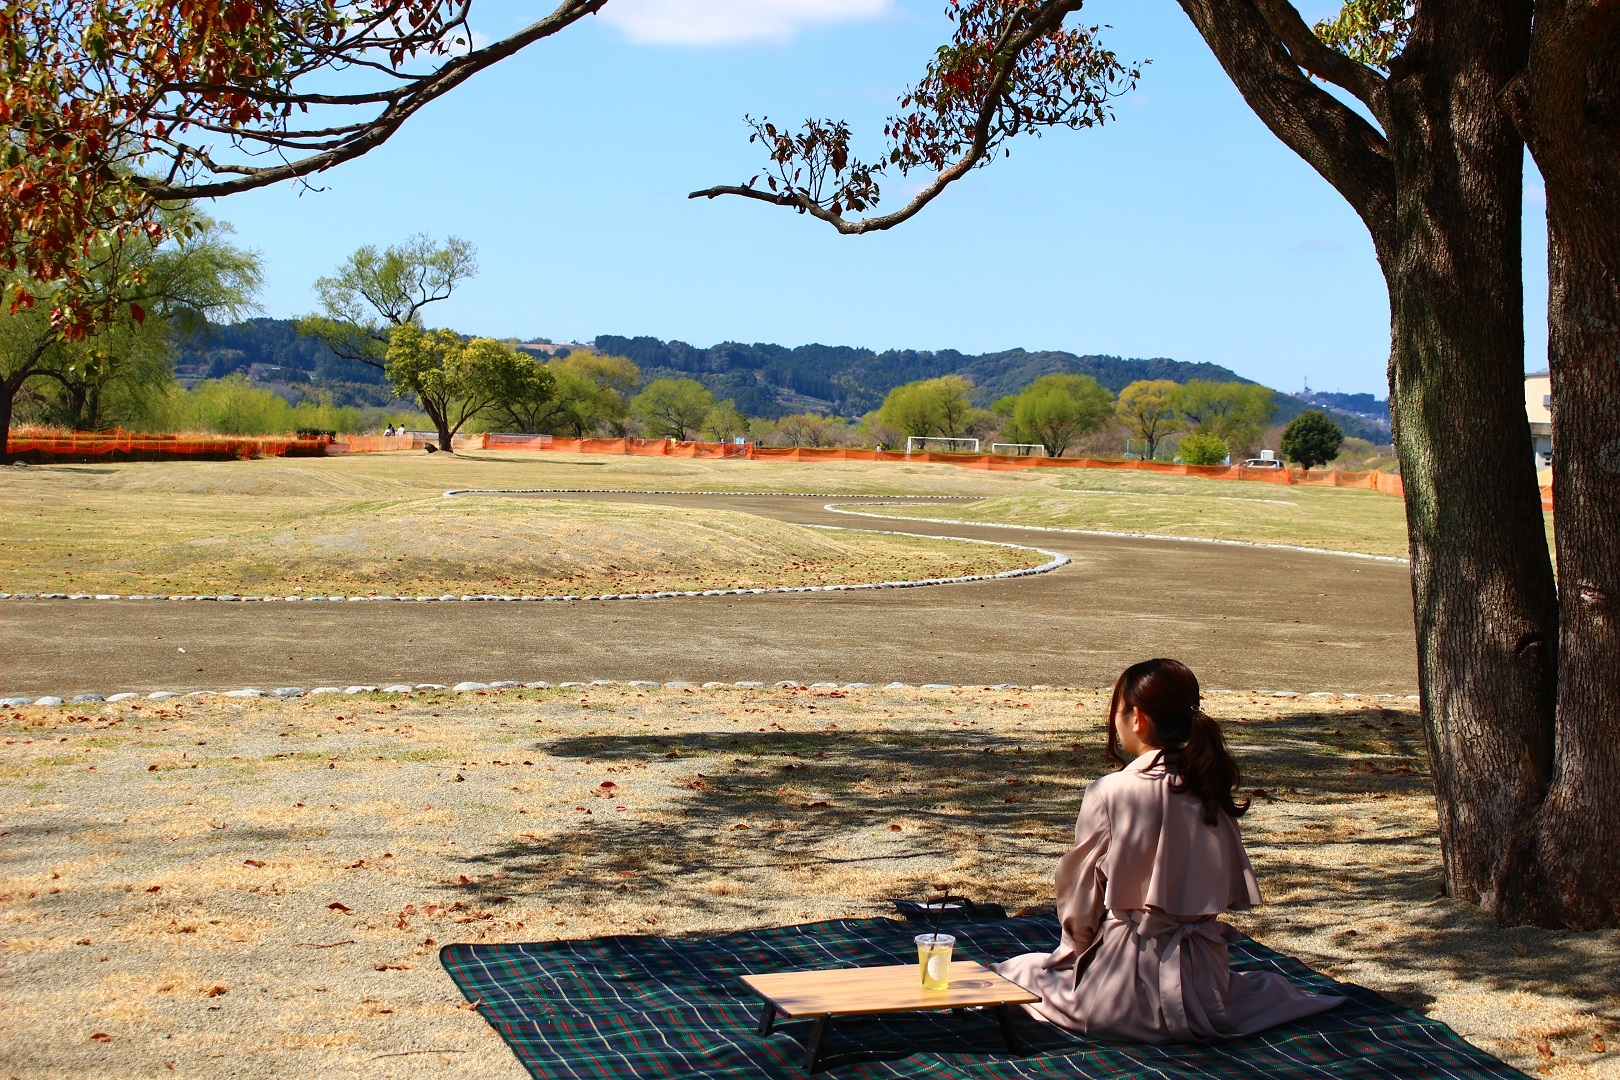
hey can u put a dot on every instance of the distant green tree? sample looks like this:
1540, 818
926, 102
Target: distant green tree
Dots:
1054, 410
1202, 448
1234, 412
375, 291
154, 291
941, 407
590, 394
724, 422
1311, 439
453, 380
807, 429
672, 408
1147, 408
524, 396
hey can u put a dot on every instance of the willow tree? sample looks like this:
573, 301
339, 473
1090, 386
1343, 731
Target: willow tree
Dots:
1409, 113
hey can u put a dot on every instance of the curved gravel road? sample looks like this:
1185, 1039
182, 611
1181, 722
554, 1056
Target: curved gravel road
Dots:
1243, 617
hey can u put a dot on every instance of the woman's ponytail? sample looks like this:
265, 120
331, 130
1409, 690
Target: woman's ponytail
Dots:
1206, 769
1191, 745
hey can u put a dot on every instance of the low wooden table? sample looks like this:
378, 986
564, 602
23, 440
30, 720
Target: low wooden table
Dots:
851, 991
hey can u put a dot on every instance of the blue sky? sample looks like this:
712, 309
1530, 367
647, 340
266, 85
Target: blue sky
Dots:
1183, 230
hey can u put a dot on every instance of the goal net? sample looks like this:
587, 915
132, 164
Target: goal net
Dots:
1018, 449
941, 444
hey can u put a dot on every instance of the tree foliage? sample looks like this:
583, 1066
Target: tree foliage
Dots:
375, 291
453, 380
116, 108
1234, 412
724, 422
524, 395
1054, 410
1202, 448
589, 395
1147, 408
1011, 67
154, 289
938, 407
672, 408
1311, 439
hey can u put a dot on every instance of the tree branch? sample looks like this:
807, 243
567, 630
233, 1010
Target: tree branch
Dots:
1339, 144
378, 131
1008, 51
1314, 55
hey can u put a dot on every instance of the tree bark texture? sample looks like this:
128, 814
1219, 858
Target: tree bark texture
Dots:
1440, 190
8, 396
1482, 582
1568, 108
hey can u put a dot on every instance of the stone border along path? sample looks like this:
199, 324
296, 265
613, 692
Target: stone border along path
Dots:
677, 684
1054, 561
1098, 609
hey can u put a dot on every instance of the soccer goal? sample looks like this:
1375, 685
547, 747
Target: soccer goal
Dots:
1018, 449
942, 444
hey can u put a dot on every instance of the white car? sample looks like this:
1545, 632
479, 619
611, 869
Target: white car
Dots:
1262, 463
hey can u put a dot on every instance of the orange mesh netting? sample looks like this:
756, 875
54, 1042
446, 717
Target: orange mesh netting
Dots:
41, 446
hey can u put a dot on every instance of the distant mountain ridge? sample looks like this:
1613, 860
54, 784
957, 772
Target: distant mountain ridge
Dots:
774, 380
763, 379
852, 381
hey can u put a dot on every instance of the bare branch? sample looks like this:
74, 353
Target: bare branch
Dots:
400, 108
1313, 55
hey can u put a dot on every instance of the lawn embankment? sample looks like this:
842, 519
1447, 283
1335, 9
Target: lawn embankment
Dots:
208, 885
381, 525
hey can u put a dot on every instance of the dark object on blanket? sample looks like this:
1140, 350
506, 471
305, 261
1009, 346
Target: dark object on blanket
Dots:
644, 1006
947, 909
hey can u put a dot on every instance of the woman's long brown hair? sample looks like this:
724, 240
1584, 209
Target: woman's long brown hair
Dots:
1189, 740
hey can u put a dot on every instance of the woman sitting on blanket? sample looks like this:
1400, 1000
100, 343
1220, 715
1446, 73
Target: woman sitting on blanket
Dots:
1156, 858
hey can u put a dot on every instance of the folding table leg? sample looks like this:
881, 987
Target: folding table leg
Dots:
1008, 1032
767, 1018
812, 1049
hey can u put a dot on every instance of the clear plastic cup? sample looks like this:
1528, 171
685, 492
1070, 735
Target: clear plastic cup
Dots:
934, 960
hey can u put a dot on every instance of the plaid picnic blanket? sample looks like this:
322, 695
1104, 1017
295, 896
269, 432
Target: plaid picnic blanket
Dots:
652, 1007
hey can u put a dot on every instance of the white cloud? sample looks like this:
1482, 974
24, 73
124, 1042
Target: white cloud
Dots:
731, 22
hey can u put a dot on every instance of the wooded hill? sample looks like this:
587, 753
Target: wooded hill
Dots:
773, 380
764, 380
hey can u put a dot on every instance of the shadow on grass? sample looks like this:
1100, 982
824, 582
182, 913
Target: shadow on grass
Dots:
895, 804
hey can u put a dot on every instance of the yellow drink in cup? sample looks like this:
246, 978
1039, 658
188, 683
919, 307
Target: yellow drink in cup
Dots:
934, 960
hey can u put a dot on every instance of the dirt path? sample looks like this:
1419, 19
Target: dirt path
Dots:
1249, 618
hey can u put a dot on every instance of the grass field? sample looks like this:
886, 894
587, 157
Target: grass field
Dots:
380, 523
212, 886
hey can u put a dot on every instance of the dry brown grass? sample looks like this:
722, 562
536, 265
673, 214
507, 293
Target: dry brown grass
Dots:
379, 524
169, 870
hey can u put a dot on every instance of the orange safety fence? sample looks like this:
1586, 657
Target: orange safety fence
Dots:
41, 446
58, 445
371, 444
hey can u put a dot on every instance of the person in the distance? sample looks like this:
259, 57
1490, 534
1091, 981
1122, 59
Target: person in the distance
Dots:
1156, 858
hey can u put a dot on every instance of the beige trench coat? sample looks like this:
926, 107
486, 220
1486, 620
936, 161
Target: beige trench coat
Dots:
1143, 957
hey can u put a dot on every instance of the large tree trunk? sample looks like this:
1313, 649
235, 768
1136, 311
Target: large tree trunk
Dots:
1440, 191
1482, 584
1569, 109
8, 395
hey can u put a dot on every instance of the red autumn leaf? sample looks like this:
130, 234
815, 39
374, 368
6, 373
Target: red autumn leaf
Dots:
341, 908
151, 768
101, 1036
252, 862
606, 784
137, 313
155, 888
465, 880
894, 828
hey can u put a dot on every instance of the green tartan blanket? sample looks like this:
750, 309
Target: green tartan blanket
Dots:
651, 1007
